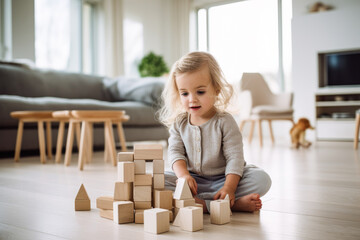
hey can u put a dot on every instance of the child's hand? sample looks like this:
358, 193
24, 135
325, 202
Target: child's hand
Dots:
221, 194
192, 183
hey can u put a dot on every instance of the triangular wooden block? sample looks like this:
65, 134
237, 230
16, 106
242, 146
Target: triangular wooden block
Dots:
177, 220
228, 198
82, 194
182, 190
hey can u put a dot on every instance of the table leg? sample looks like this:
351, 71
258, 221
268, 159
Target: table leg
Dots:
19, 140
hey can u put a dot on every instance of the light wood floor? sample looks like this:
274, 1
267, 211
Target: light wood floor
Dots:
315, 195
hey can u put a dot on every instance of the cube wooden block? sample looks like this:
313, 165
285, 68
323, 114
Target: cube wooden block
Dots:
142, 193
163, 199
143, 180
158, 181
123, 212
148, 151
139, 216
156, 220
140, 166
184, 203
105, 202
158, 166
191, 218
123, 191
107, 214
171, 216
126, 171
125, 156
142, 205
219, 211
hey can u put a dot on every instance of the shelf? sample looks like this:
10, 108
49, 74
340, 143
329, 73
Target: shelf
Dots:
335, 119
337, 103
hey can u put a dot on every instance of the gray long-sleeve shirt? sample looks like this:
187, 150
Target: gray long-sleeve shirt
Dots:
213, 148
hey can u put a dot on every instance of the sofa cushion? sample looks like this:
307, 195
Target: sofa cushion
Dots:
140, 113
147, 90
20, 81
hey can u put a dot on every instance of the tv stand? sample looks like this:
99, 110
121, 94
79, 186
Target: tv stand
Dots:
335, 113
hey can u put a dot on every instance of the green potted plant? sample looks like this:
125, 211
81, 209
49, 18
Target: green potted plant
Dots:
152, 65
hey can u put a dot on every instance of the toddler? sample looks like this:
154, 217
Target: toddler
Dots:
205, 143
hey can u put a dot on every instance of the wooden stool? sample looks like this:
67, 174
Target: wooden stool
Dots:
64, 117
39, 117
87, 118
357, 124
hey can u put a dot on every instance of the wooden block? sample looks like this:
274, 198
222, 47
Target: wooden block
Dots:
228, 198
163, 199
177, 217
184, 203
182, 190
158, 166
143, 180
191, 218
219, 212
105, 202
142, 193
140, 166
176, 211
199, 205
107, 214
171, 216
126, 171
125, 156
142, 205
123, 191
148, 151
82, 200
139, 216
123, 212
156, 220
158, 181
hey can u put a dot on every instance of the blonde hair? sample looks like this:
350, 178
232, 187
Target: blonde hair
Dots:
192, 62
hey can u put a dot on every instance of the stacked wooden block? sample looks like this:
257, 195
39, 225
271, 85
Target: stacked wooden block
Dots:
188, 214
137, 190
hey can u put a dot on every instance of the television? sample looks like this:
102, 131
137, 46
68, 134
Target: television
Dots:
339, 69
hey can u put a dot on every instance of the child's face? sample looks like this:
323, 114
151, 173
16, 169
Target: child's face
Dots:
197, 95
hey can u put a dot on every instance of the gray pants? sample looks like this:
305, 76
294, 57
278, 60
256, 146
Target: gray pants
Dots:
254, 180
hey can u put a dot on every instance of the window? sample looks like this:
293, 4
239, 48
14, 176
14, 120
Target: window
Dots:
58, 34
244, 37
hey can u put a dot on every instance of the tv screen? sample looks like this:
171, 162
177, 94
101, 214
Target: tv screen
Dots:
342, 69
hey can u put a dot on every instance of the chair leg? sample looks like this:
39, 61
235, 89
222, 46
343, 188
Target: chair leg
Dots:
251, 130
110, 141
260, 132
41, 141
48, 140
82, 147
59, 142
271, 132
69, 143
121, 136
242, 124
19, 140
356, 138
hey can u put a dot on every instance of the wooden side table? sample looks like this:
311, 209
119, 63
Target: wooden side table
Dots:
39, 117
87, 118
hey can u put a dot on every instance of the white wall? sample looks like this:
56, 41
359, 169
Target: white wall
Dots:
318, 32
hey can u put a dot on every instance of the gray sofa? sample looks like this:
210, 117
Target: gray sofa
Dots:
22, 88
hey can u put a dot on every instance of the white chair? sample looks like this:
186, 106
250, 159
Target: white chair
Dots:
258, 103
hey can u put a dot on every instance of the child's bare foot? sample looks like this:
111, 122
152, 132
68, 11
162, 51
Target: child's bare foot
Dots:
248, 203
198, 200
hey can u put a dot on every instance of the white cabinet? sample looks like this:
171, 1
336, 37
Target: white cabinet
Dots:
335, 113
